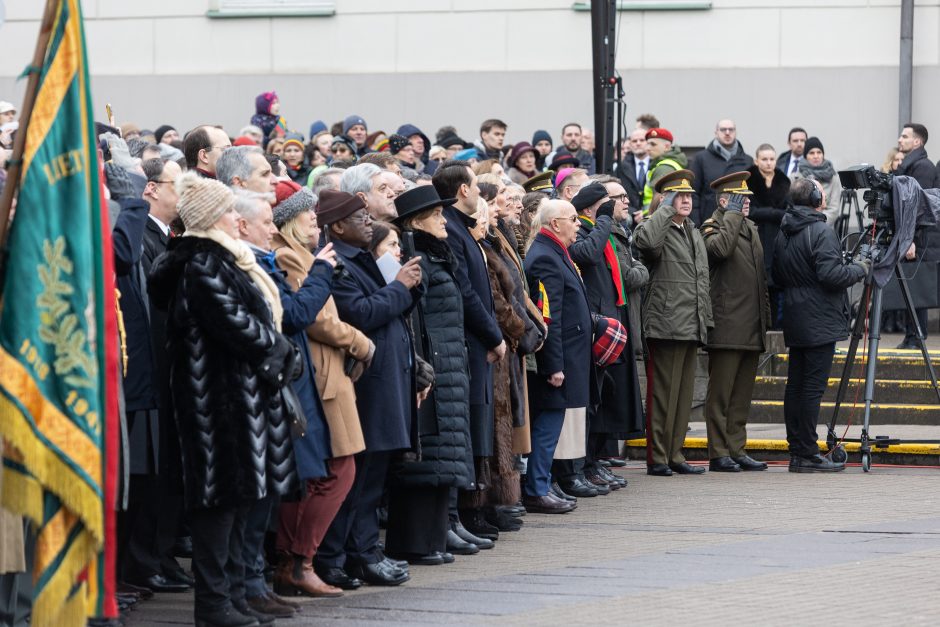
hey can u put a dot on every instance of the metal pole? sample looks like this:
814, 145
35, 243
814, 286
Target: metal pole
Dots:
906, 67
602, 42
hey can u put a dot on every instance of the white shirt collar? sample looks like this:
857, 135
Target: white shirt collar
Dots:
163, 227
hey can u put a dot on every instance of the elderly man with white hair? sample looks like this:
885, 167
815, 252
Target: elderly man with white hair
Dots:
368, 182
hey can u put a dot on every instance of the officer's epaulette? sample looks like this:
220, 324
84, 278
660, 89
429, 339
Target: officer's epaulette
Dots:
709, 226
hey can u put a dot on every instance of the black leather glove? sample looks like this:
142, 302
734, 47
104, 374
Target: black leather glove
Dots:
119, 182
607, 209
424, 374
735, 203
295, 363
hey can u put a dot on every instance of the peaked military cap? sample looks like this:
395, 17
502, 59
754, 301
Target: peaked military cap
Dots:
678, 181
540, 183
734, 183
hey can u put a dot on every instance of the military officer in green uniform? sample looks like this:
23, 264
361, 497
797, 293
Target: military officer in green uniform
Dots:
676, 317
741, 312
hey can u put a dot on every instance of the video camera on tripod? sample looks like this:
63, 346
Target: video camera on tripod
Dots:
877, 195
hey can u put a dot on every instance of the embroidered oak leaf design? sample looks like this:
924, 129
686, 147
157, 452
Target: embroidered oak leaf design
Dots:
58, 325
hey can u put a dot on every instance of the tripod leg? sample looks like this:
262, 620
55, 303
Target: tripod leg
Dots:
858, 331
874, 336
921, 340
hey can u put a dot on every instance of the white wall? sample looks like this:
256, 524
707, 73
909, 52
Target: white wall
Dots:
829, 65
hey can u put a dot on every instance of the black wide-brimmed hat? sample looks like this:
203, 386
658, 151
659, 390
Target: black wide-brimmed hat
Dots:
418, 199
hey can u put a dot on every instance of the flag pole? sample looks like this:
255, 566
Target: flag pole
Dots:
15, 163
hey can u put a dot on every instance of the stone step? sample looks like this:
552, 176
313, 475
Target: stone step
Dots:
899, 365
912, 392
764, 411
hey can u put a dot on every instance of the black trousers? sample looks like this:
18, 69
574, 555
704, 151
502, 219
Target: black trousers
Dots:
149, 529
218, 538
910, 331
354, 533
417, 520
807, 377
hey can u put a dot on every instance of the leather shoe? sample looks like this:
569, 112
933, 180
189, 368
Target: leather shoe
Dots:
159, 583
462, 533
264, 604
431, 559
179, 576
338, 578
226, 617
815, 463
747, 463
616, 462
658, 470
909, 345
611, 477
501, 520
545, 505
723, 464
559, 493
403, 564
458, 546
598, 478
476, 524
140, 591
687, 469
578, 488
264, 619
379, 574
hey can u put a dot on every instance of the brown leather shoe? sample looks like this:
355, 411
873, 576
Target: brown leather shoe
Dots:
301, 579
545, 505
266, 605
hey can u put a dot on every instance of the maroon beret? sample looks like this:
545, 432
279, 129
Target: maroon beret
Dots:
334, 206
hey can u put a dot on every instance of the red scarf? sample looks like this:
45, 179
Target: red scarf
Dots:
613, 263
547, 233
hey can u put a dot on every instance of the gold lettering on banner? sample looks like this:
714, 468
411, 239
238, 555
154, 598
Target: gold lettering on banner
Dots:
64, 165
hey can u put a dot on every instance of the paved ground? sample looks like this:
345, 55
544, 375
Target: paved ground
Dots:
768, 548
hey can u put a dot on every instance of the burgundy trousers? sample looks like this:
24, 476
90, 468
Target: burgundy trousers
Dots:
304, 523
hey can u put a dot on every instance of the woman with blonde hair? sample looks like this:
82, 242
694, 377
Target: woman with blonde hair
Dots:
333, 344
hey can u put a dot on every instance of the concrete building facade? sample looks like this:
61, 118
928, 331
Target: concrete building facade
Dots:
828, 65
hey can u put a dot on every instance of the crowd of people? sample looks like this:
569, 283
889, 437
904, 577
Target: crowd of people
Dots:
331, 333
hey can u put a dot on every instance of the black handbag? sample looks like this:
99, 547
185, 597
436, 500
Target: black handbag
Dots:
294, 412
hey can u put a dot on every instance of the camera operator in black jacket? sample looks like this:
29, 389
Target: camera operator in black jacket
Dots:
808, 267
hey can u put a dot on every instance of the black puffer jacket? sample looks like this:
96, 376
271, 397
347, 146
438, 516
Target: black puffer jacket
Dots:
446, 453
808, 267
228, 363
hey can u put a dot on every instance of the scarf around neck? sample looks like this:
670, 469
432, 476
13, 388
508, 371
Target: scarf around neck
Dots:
245, 260
822, 172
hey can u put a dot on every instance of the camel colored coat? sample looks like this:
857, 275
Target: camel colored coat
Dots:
330, 340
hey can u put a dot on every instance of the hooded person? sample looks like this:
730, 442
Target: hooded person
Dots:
419, 141
267, 116
542, 142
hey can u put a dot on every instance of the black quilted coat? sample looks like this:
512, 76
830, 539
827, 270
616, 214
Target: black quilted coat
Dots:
227, 366
446, 453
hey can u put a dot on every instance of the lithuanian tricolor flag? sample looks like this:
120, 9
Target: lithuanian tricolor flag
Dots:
58, 357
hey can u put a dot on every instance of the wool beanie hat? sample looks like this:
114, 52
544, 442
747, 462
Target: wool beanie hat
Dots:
244, 140
541, 136
264, 101
343, 139
317, 127
352, 121
294, 138
813, 142
161, 131
292, 200
397, 143
202, 201
451, 140
335, 205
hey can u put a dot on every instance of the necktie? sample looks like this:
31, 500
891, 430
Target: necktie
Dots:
268, 261
794, 164
641, 173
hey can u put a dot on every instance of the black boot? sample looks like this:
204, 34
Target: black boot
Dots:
476, 524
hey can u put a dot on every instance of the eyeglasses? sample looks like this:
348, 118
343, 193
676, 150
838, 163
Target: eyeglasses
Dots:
620, 197
360, 217
573, 218
726, 129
